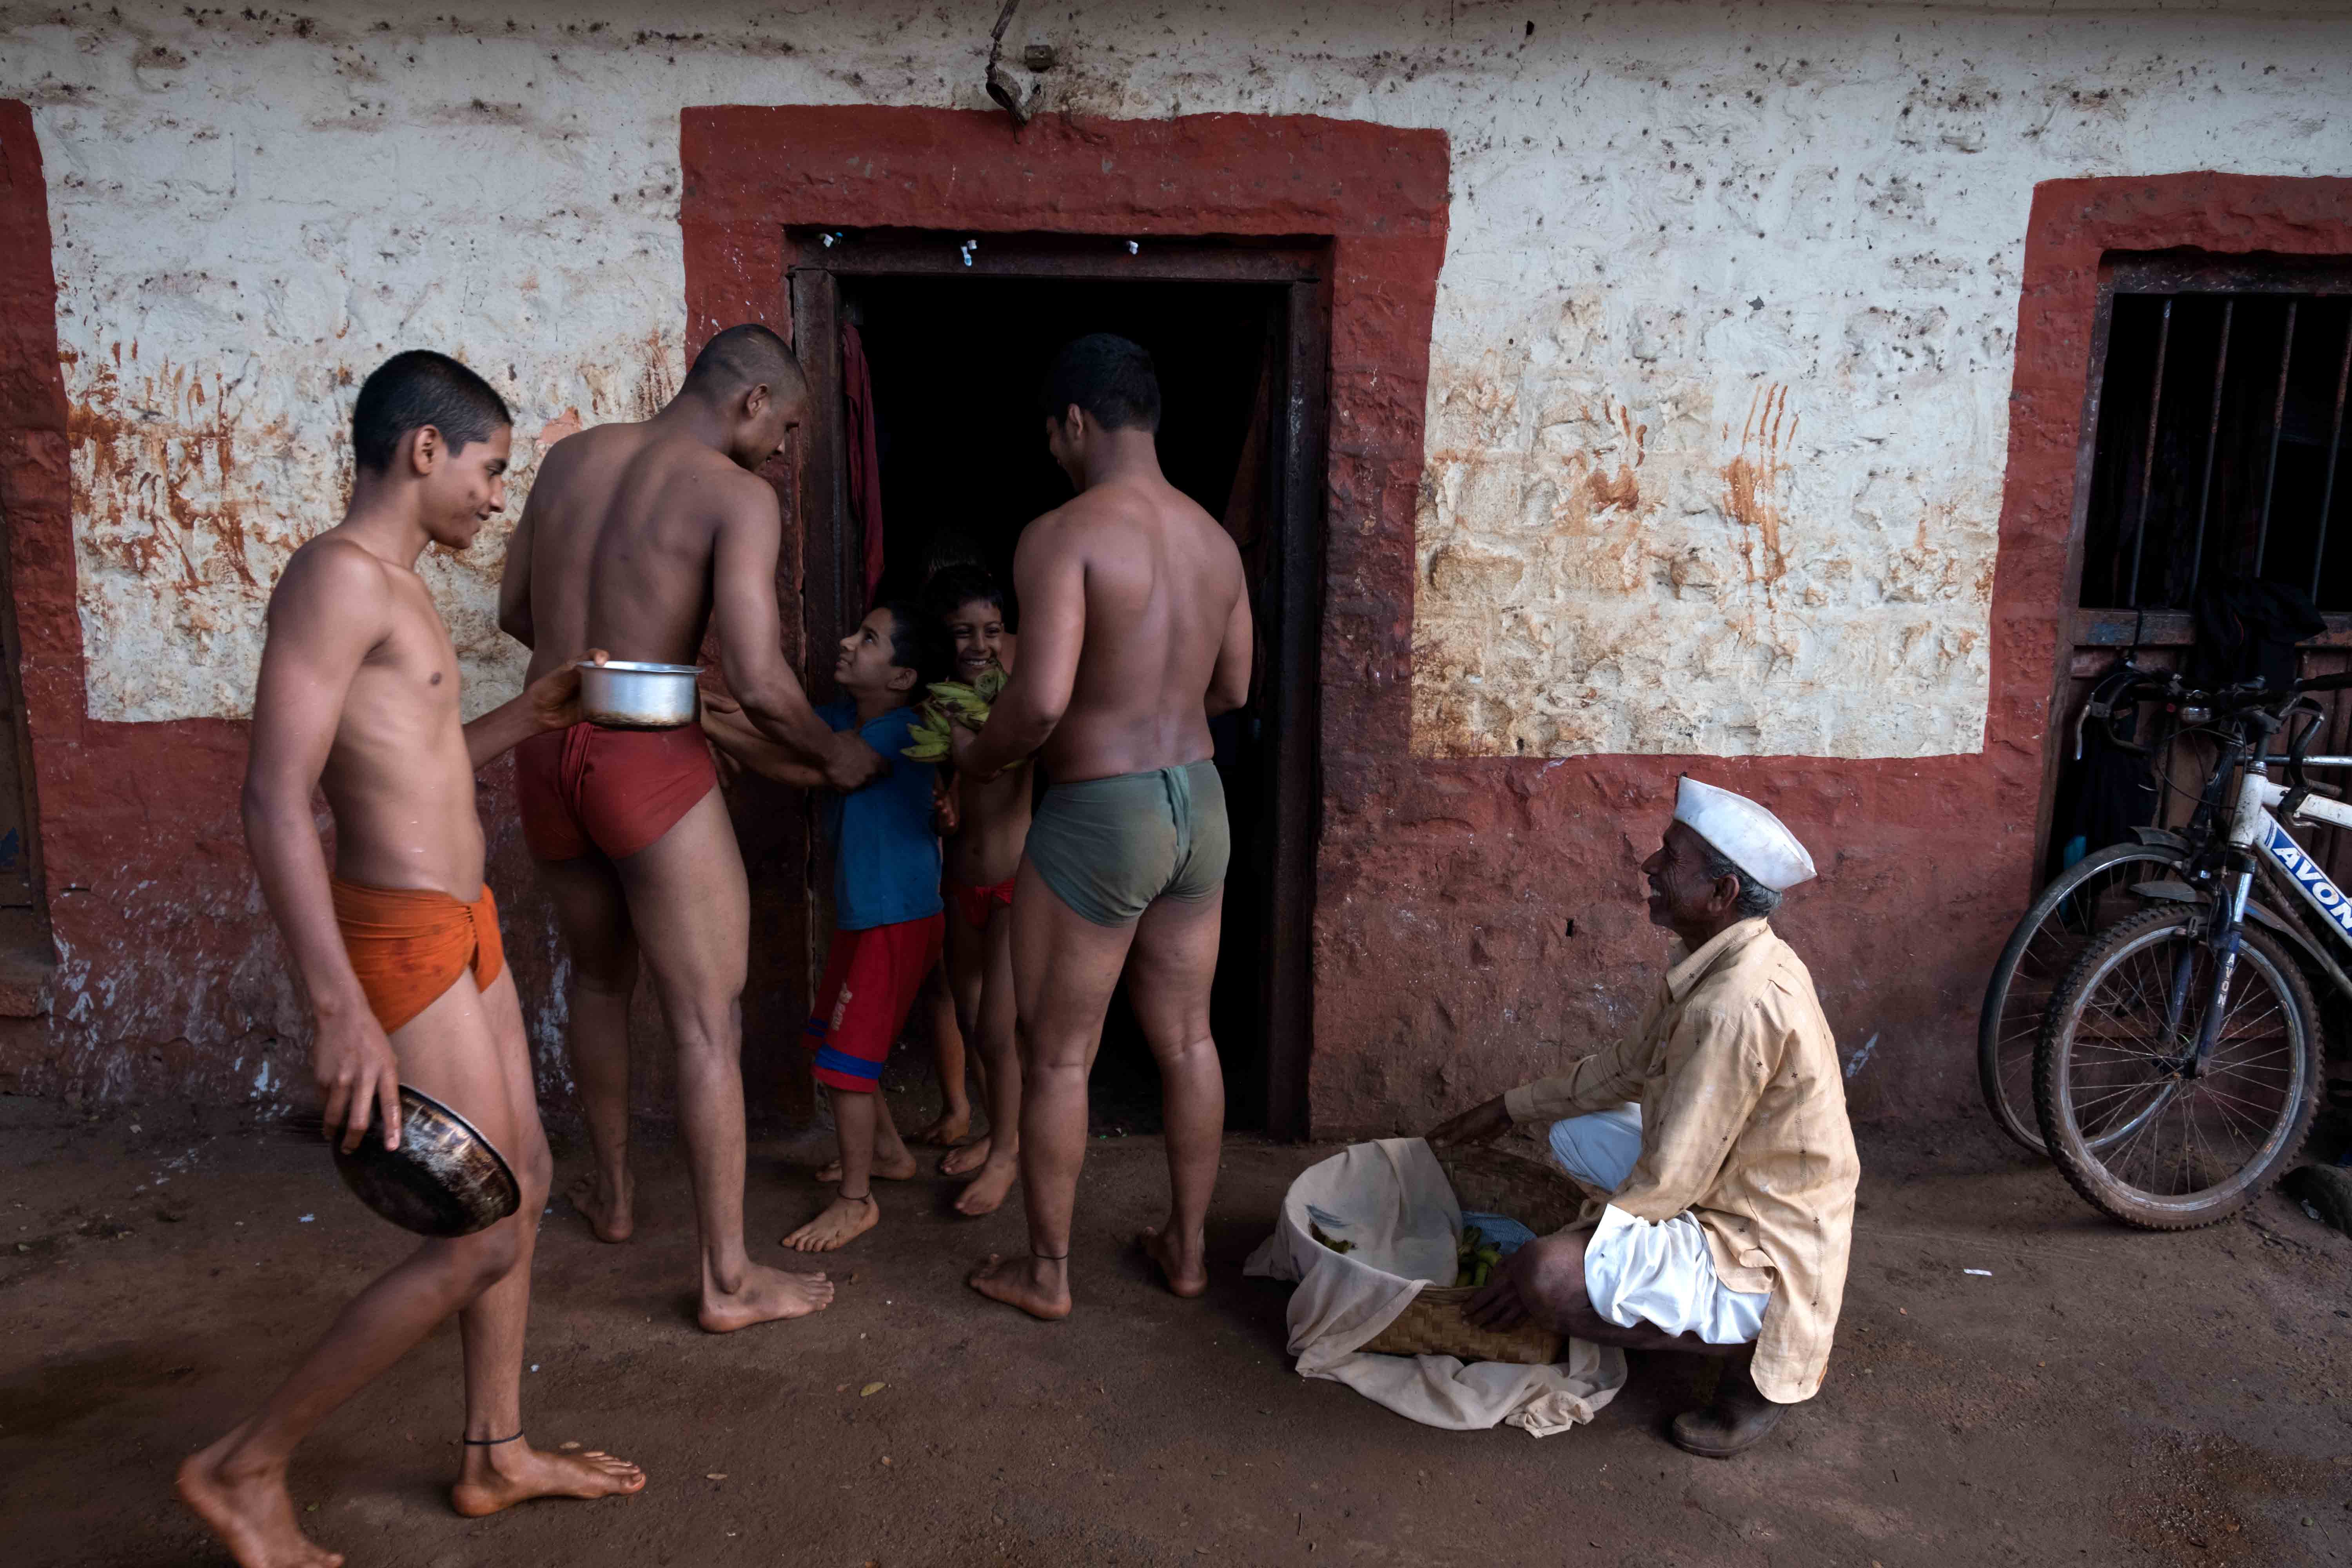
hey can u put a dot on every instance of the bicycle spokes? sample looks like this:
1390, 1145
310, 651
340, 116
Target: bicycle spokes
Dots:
2152, 1117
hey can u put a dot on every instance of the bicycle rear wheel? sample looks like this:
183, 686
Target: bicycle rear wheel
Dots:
2081, 902
2139, 1134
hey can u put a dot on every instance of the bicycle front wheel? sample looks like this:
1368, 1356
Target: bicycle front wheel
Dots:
2144, 1132
2081, 902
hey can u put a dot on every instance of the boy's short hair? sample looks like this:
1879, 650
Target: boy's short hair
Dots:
915, 642
411, 390
1109, 377
745, 356
951, 588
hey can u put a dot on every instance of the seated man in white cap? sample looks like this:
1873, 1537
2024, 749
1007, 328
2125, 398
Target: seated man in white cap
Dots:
1713, 1141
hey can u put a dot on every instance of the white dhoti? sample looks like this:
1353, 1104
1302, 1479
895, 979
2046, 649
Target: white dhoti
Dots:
1637, 1272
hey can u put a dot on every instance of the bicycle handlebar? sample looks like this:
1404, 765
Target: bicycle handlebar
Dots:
2254, 698
2250, 714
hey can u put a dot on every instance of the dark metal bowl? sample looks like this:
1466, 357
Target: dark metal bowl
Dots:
445, 1179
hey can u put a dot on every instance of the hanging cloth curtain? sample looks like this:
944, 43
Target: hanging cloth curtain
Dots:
865, 453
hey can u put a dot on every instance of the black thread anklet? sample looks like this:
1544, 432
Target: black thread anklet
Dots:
1049, 1257
492, 1442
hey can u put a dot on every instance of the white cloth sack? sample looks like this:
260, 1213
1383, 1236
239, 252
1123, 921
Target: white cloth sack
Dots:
1391, 1199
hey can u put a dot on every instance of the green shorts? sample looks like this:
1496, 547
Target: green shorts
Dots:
1108, 847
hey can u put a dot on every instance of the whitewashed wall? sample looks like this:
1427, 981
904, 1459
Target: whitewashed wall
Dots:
1721, 358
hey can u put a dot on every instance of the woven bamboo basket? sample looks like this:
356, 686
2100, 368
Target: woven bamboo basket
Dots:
1493, 1180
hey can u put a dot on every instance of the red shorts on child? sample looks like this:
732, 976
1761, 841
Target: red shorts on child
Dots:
871, 978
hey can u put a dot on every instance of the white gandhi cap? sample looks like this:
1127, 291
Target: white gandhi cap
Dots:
1757, 842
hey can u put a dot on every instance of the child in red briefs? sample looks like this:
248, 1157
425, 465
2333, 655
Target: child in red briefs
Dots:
886, 891
983, 858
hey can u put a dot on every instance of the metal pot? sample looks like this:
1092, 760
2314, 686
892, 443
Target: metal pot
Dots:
445, 1179
624, 696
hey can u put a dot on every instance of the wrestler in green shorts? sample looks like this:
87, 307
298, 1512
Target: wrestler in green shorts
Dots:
1107, 848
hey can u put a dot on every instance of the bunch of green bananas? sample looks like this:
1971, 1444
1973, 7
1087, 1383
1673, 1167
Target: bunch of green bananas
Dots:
967, 705
1316, 1231
951, 703
1477, 1259
930, 735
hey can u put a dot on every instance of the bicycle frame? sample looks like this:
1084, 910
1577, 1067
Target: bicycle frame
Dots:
2254, 827
2255, 831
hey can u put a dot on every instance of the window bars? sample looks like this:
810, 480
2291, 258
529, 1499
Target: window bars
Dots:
2219, 430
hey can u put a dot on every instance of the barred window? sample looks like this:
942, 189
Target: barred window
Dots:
2219, 448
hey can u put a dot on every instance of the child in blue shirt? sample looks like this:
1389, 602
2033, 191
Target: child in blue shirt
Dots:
886, 894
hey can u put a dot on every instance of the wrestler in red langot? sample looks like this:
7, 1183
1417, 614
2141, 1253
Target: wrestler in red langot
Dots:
639, 538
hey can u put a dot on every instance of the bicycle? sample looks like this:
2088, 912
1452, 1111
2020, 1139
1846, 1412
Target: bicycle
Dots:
2096, 892
2180, 1060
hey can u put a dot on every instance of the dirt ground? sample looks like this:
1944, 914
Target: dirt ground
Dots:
2101, 1396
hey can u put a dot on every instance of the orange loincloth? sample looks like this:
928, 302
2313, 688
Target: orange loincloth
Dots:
408, 945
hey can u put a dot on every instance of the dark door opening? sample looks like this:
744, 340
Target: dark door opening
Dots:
956, 355
27, 953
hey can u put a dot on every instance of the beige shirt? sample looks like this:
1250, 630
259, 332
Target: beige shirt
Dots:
1743, 1125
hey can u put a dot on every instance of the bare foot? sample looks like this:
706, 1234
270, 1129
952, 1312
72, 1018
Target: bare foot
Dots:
963, 1160
252, 1514
985, 1191
902, 1169
765, 1295
1186, 1269
516, 1472
611, 1216
838, 1225
1039, 1287
948, 1130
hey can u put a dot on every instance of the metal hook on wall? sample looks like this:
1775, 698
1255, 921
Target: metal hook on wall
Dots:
1001, 85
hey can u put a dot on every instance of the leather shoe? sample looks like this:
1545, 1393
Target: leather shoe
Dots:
1736, 1422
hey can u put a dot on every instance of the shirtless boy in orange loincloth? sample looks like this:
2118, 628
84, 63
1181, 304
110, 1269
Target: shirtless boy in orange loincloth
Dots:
398, 948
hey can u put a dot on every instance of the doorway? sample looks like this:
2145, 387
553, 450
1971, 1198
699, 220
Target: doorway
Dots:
956, 339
